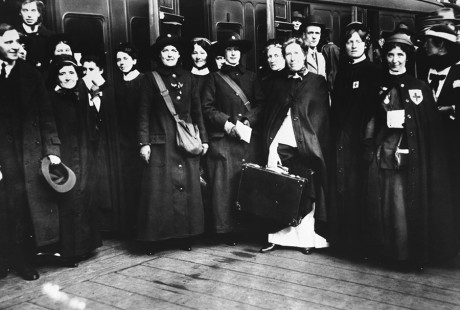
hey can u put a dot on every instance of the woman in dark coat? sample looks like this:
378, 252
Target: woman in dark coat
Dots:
221, 111
276, 66
409, 201
76, 125
127, 101
296, 136
354, 89
170, 200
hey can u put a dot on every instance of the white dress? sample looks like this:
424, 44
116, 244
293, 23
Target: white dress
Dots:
303, 235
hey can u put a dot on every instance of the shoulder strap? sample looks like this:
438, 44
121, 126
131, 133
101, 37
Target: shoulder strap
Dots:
238, 91
165, 93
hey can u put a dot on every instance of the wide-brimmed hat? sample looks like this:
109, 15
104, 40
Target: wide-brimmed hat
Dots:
399, 37
297, 15
443, 14
234, 39
165, 40
60, 177
314, 20
442, 32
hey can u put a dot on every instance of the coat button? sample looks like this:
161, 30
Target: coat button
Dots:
340, 147
178, 97
340, 170
411, 133
240, 115
243, 160
296, 118
37, 142
174, 75
407, 100
409, 116
180, 166
181, 189
402, 85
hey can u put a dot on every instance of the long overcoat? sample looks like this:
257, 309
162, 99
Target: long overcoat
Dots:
39, 139
76, 122
226, 154
308, 100
428, 203
170, 200
352, 100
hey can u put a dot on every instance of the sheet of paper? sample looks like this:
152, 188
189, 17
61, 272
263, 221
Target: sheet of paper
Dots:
395, 118
92, 79
244, 131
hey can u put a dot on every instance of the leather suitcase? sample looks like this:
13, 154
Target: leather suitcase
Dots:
272, 195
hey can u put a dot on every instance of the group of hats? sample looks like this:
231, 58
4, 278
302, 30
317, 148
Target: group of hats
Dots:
229, 39
311, 20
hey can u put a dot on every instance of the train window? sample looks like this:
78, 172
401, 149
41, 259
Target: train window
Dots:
224, 29
87, 33
168, 6
281, 11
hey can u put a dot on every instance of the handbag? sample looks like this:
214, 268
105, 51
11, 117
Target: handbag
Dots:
187, 134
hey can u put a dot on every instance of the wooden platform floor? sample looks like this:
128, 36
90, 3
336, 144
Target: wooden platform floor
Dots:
215, 276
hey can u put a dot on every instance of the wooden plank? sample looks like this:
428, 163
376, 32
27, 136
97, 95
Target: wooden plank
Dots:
27, 306
47, 303
267, 282
416, 283
348, 283
176, 291
119, 298
23, 290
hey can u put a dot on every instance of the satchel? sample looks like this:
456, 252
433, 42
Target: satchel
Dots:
187, 134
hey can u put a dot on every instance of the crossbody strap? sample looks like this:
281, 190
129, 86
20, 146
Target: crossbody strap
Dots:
238, 91
165, 93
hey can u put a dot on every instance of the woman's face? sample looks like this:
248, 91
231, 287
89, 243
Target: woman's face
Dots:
232, 55
355, 46
169, 55
396, 59
62, 49
199, 56
295, 57
125, 62
275, 58
67, 77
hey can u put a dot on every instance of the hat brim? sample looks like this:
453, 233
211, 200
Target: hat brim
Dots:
442, 35
60, 182
243, 45
156, 48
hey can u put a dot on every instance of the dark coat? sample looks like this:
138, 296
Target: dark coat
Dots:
76, 122
331, 53
428, 203
309, 103
37, 46
226, 154
170, 200
38, 139
352, 102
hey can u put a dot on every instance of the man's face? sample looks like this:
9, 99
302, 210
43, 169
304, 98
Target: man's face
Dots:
9, 46
312, 36
30, 13
430, 47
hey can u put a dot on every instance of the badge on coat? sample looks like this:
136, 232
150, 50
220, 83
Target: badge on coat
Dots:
355, 84
416, 95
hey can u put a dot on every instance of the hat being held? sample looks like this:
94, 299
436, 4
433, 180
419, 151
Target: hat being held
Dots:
165, 40
443, 32
60, 177
234, 39
314, 20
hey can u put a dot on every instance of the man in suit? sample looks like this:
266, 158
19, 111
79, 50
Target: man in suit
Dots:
315, 61
27, 134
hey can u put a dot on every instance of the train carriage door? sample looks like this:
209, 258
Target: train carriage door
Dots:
335, 18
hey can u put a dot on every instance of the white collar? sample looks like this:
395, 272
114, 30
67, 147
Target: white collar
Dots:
131, 75
397, 73
358, 60
203, 71
30, 29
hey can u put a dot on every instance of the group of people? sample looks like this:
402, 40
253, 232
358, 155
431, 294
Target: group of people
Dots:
378, 144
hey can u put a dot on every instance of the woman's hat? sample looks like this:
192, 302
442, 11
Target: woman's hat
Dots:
165, 40
234, 39
60, 177
402, 38
443, 14
441, 31
297, 15
61, 60
314, 20
356, 25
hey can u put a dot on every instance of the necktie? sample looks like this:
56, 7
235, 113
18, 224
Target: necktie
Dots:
315, 58
435, 79
3, 72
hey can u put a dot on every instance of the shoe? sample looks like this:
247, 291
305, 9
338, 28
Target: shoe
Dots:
306, 251
26, 271
268, 248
